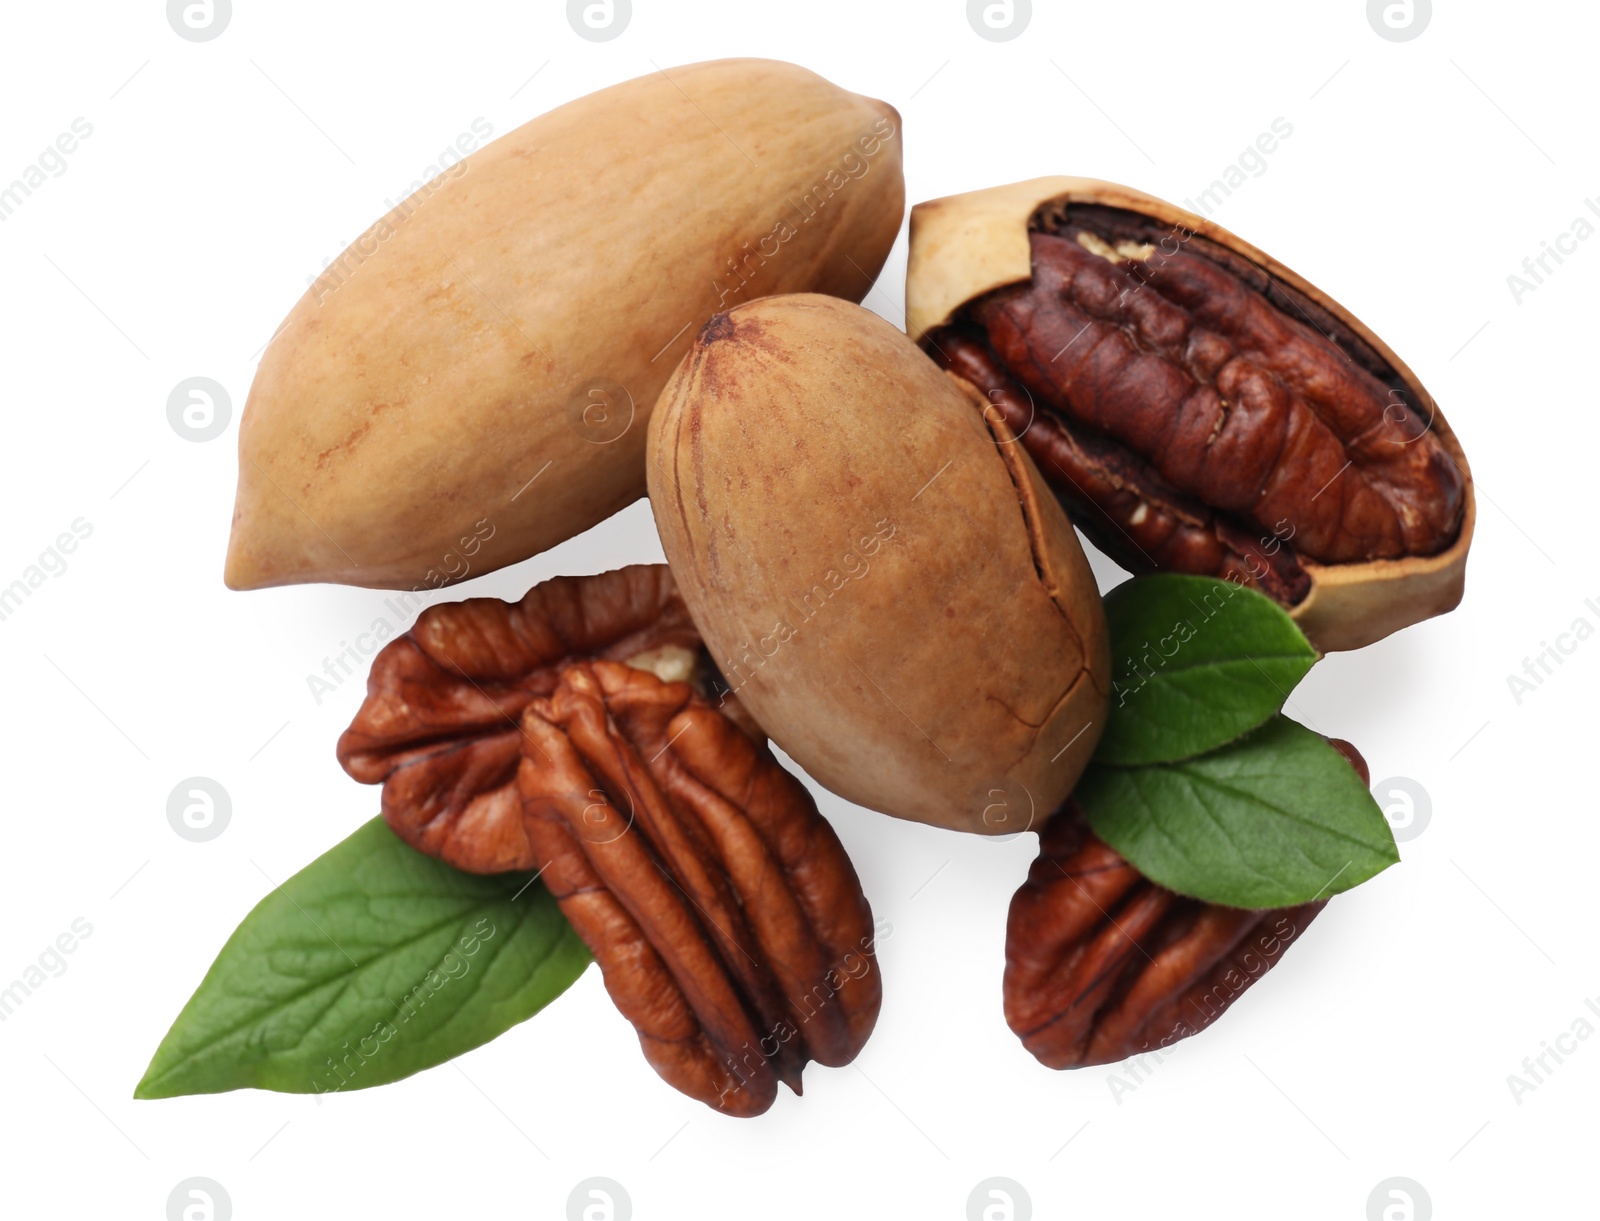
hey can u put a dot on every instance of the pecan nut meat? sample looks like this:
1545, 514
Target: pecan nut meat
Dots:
724, 913
728, 922
1119, 500
440, 725
1196, 405
1103, 964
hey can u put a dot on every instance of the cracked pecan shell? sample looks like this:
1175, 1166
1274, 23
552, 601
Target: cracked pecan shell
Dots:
728, 922
878, 568
1196, 405
1103, 964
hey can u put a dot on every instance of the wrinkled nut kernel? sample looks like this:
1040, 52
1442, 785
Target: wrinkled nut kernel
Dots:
877, 568
1196, 405
439, 728
1103, 964
468, 384
723, 911
568, 733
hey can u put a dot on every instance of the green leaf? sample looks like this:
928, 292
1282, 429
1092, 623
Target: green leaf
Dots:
1195, 662
1275, 819
370, 964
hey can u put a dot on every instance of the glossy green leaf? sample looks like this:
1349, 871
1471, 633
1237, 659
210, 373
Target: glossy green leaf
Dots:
1195, 662
368, 965
1276, 818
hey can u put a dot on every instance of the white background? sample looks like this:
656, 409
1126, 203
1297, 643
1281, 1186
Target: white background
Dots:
219, 176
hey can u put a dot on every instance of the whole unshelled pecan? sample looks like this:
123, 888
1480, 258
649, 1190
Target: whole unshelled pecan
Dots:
1103, 964
558, 733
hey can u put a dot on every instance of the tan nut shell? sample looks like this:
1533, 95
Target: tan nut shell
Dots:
892, 590
963, 246
409, 423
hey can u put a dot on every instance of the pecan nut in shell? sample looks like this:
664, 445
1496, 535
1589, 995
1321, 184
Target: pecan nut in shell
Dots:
510, 322
1103, 964
877, 566
1196, 405
728, 922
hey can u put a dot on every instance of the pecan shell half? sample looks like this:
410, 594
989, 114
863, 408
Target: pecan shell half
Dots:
1103, 964
1196, 406
728, 922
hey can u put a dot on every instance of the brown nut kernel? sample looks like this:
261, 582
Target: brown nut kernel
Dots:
1103, 964
439, 728
727, 920
877, 568
1196, 405
724, 913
